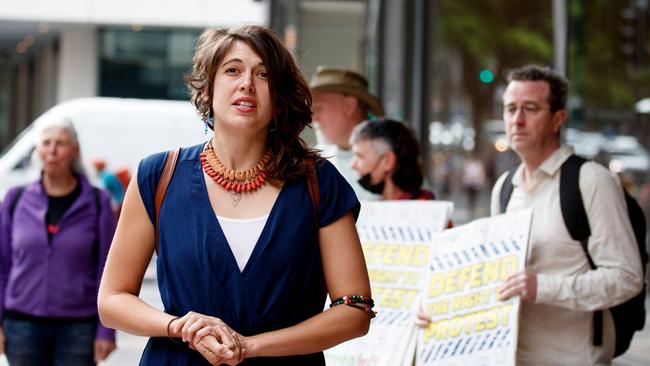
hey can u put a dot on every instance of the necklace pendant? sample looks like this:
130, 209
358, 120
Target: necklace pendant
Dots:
234, 198
234, 181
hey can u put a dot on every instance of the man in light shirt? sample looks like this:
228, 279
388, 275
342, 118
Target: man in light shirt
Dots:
341, 100
559, 291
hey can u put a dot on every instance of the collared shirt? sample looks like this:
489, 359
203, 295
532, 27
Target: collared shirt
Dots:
558, 328
57, 277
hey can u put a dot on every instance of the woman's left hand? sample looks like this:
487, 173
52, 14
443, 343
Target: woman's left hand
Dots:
103, 348
214, 350
219, 337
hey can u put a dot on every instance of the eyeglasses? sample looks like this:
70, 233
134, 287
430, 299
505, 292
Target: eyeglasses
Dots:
528, 110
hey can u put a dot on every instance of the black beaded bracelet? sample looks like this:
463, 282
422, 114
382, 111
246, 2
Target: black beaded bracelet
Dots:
361, 302
353, 299
169, 334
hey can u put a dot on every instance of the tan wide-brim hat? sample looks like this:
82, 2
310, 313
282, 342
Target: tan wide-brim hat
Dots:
337, 80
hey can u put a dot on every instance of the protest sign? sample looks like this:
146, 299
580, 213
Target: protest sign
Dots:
396, 237
469, 324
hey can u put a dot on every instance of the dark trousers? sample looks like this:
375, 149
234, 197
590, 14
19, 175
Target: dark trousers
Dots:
48, 343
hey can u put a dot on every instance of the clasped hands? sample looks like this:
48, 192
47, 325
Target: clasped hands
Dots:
211, 337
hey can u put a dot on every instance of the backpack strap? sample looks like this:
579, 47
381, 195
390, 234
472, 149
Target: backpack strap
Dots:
14, 201
97, 200
506, 190
576, 221
163, 183
639, 225
573, 209
98, 206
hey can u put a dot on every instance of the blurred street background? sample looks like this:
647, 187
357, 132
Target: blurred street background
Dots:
442, 71
440, 65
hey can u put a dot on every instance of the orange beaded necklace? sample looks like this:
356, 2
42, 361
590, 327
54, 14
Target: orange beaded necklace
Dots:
234, 181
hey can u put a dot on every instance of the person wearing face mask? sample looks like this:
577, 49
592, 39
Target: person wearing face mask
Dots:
386, 159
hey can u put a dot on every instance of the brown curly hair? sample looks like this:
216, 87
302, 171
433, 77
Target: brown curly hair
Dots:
290, 94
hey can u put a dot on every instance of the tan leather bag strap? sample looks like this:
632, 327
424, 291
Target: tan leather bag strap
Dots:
163, 183
314, 191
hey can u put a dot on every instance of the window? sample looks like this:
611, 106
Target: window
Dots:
147, 64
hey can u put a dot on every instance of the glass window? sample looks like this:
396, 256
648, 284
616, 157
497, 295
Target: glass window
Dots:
145, 64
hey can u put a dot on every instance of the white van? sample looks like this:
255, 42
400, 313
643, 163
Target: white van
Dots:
121, 131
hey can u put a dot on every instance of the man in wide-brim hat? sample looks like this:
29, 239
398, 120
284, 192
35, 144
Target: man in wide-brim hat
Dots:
341, 100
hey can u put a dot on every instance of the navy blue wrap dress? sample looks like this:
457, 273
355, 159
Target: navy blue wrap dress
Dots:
281, 285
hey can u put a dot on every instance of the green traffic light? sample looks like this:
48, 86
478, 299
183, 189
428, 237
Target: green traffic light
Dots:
486, 76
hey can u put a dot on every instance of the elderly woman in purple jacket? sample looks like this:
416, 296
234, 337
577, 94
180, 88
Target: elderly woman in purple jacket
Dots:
54, 238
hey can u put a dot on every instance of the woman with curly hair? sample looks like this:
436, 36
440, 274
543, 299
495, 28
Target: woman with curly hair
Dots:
246, 256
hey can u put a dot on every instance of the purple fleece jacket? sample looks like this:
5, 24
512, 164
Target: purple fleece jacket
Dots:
61, 278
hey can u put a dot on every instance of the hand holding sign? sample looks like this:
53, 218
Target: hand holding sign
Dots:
522, 283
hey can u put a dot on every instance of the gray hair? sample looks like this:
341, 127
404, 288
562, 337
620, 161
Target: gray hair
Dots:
387, 134
66, 124
380, 145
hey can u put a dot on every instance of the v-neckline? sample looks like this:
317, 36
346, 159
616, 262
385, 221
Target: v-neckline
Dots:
261, 242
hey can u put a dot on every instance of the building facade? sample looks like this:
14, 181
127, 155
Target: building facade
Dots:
53, 51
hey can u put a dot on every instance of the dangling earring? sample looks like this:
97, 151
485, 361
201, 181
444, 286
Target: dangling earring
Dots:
272, 127
208, 122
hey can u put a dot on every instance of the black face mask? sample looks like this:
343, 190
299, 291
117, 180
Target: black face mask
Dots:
365, 182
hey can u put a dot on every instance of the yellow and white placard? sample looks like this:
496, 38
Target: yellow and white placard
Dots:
469, 324
396, 237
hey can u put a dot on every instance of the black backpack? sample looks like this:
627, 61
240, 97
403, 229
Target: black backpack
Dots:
630, 315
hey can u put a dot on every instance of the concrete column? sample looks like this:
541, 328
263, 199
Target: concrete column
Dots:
45, 79
560, 35
420, 112
393, 90
22, 96
78, 71
421, 69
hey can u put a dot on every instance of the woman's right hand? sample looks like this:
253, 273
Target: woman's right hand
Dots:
210, 336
